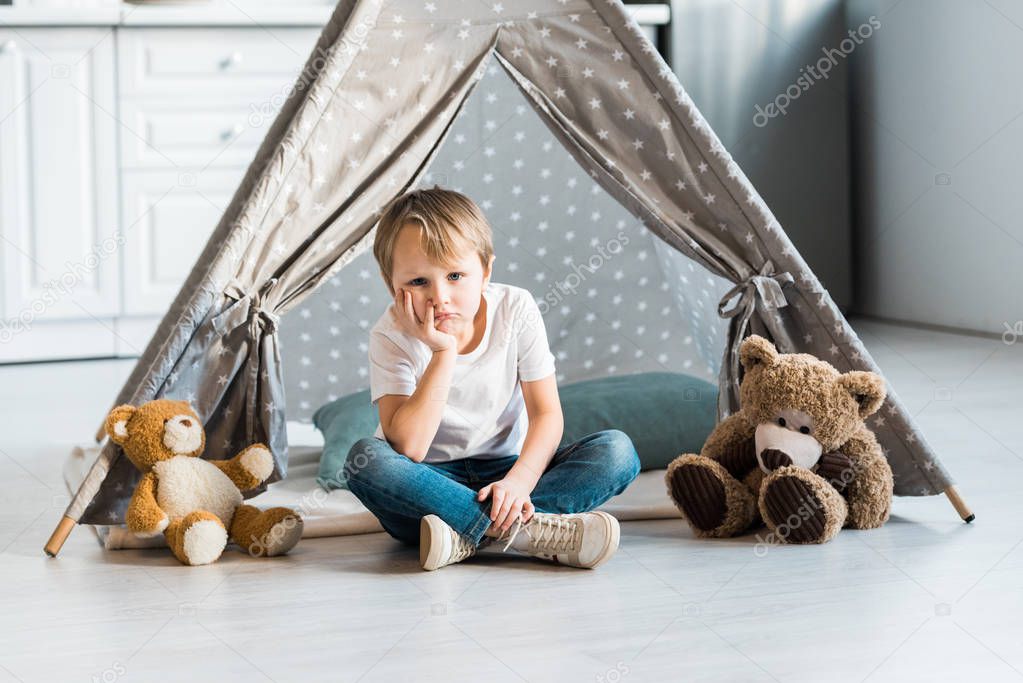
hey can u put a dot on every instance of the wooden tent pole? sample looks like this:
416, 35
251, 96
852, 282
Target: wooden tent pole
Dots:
59, 535
959, 504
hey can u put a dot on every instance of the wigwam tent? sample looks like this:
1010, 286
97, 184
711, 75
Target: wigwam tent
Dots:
378, 97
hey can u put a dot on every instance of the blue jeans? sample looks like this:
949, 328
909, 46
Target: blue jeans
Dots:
580, 477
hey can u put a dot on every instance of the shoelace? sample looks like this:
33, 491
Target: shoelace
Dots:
462, 549
549, 533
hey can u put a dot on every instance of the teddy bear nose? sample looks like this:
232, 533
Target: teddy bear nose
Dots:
186, 422
773, 458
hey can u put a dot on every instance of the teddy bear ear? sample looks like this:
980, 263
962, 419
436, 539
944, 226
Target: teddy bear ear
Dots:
866, 388
185, 405
116, 424
755, 350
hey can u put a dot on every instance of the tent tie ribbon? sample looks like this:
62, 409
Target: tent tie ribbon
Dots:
259, 316
766, 283
768, 286
257, 311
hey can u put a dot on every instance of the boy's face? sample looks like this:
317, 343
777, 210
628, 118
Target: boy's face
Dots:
456, 290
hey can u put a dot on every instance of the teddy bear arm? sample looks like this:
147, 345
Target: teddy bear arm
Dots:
869, 493
836, 468
248, 469
732, 444
144, 515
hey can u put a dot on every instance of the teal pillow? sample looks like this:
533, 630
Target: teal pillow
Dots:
342, 422
664, 413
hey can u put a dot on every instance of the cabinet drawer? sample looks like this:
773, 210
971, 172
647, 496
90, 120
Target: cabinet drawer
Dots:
184, 62
198, 134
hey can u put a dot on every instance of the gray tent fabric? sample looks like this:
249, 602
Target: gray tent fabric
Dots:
374, 104
615, 299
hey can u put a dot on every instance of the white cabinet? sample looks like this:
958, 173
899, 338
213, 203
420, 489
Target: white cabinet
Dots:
168, 217
58, 192
198, 102
120, 149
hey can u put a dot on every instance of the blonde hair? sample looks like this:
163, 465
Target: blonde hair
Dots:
451, 225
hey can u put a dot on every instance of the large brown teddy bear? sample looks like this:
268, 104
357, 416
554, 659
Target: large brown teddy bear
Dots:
797, 455
196, 503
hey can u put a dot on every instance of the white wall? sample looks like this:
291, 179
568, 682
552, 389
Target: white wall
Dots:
937, 114
735, 55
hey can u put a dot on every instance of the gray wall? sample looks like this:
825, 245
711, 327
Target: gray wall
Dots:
733, 55
937, 114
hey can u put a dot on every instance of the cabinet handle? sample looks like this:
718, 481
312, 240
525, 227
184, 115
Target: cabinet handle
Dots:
9, 47
234, 60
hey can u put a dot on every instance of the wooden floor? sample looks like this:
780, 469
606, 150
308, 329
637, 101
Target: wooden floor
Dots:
924, 598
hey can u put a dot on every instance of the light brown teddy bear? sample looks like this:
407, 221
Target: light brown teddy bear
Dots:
193, 502
797, 455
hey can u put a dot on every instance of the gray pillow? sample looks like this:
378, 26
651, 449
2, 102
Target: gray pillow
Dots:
664, 413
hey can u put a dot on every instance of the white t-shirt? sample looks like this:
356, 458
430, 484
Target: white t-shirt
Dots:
485, 415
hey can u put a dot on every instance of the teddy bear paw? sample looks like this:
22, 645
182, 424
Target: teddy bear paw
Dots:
837, 469
800, 507
697, 489
203, 542
257, 461
283, 535
740, 458
155, 531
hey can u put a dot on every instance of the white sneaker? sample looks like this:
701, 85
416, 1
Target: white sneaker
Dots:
440, 545
584, 539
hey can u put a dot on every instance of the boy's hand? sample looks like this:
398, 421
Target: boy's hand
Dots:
510, 499
424, 330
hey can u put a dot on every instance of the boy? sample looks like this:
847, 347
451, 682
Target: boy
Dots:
470, 421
